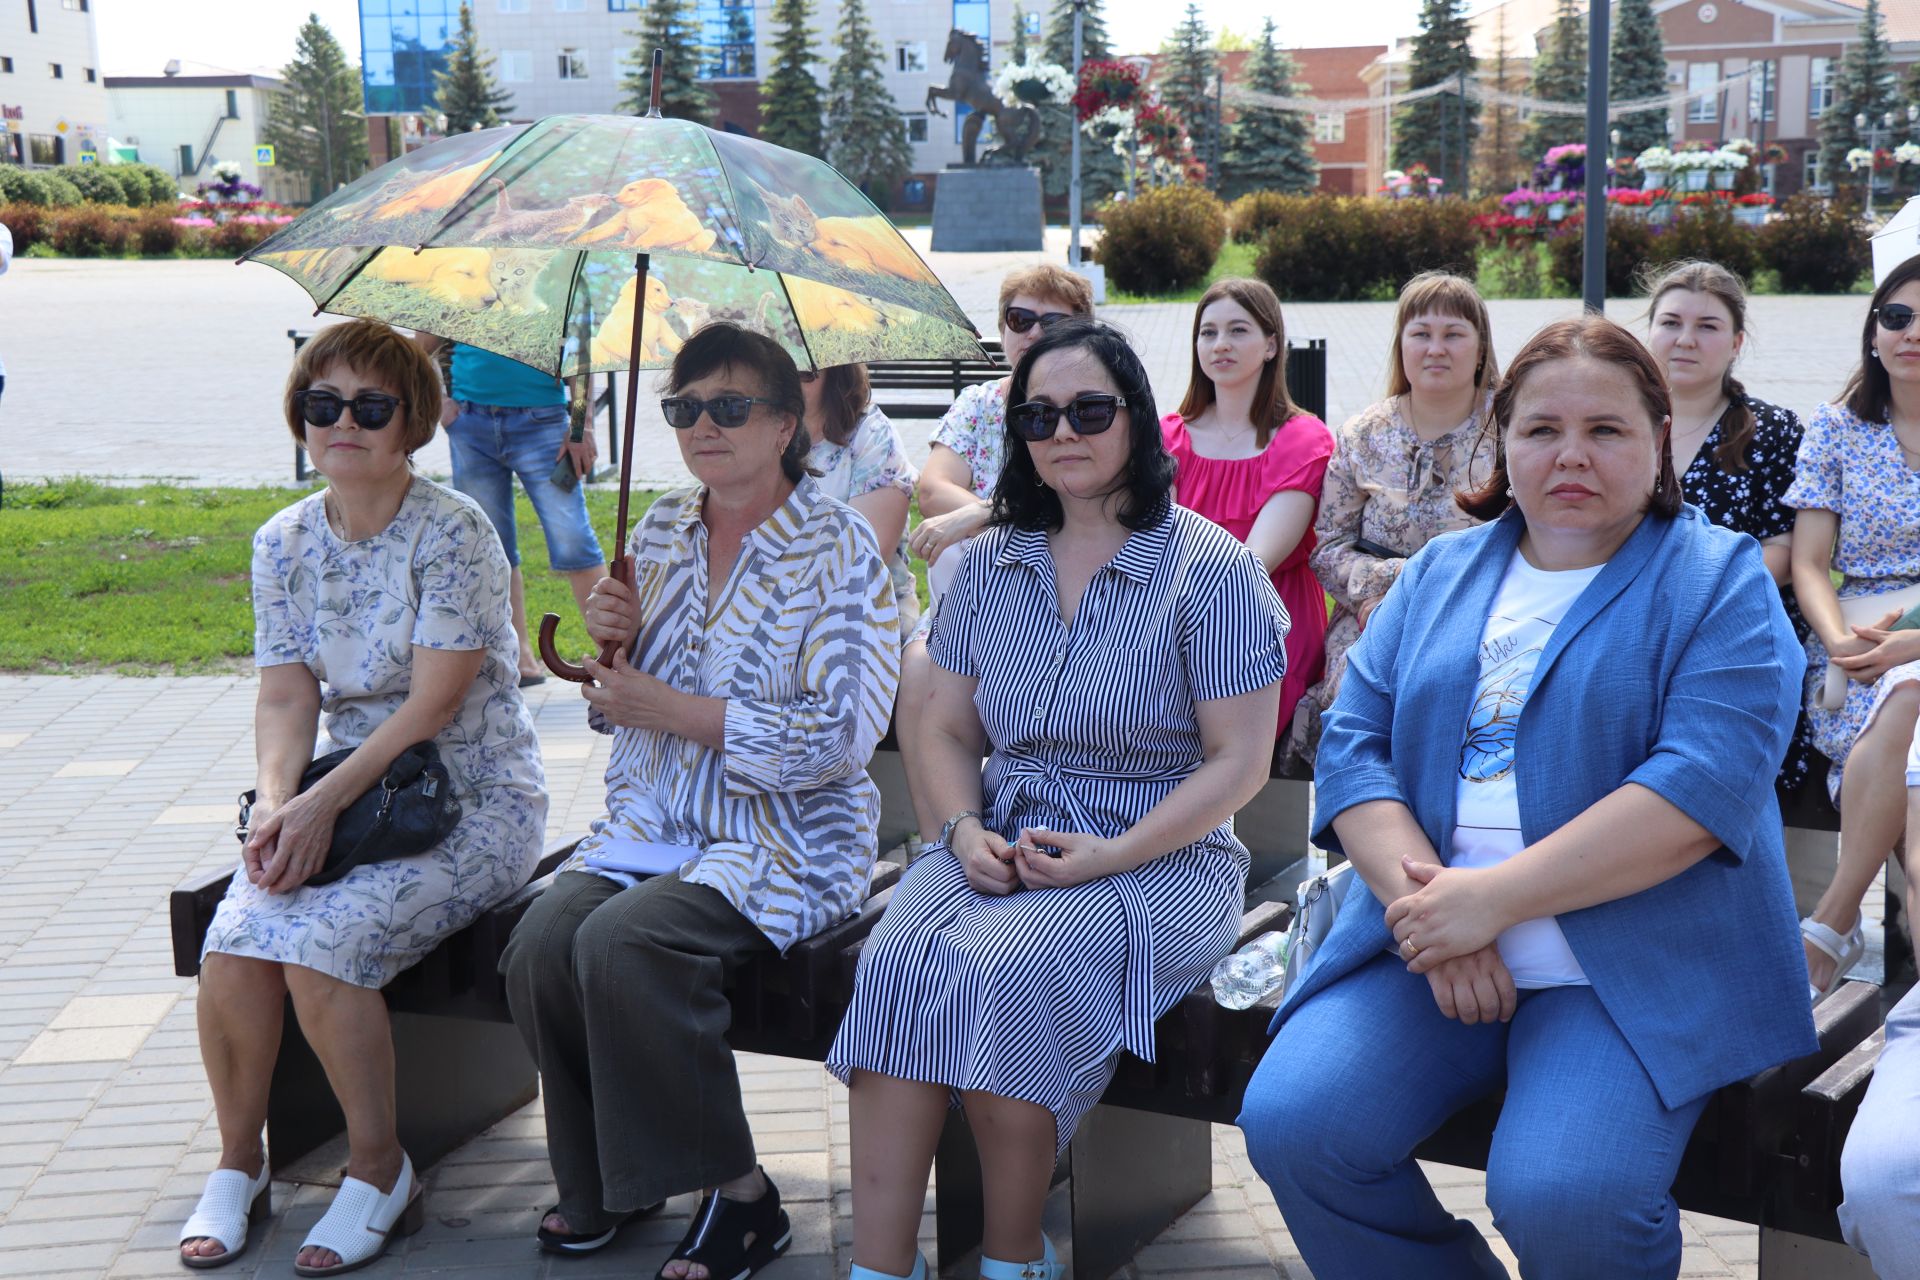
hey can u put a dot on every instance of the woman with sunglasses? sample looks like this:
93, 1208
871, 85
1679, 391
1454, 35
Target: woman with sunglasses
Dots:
860, 459
1119, 659
1858, 503
381, 620
1252, 461
755, 668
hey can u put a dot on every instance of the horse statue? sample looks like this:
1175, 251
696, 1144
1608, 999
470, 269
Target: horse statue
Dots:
968, 85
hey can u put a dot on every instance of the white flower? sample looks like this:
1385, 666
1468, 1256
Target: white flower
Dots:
1655, 160
1907, 153
1109, 122
1727, 159
1055, 78
227, 171
1859, 158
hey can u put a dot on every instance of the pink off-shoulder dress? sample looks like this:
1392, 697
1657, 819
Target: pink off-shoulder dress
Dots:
1231, 491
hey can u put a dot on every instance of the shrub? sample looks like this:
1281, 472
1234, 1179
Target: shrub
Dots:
231, 239
158, 184
1631, 244
1163, 240
96, 185
1338, 248
1710, 233
21, 186
1254, 214
27, 222
156, 234
1815, 247
62, 193
90, 231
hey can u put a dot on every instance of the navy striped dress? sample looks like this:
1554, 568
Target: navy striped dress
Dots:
1033, 995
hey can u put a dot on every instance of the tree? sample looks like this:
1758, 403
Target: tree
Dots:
318, 126
466, 92
866, 134
1101, 173
1497, 164
1188, 86
1863, 86
1638, 69
1439, 131
790, 96
1020, 41
1231, 41
1269, 149
1560, 75
668, 25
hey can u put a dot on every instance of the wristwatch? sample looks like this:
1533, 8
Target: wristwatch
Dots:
946, 830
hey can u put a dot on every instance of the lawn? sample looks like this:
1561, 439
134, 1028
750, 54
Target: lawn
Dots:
154, 579
1234, 260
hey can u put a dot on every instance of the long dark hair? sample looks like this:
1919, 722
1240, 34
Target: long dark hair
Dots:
1273, 408
1595, 338
1869, 392
1019, 497
1716, 282
721, 344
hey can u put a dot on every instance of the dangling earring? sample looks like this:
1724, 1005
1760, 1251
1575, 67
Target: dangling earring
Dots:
1873, 352
1509, 491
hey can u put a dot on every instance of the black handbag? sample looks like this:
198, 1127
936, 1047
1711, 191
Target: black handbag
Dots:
407, 812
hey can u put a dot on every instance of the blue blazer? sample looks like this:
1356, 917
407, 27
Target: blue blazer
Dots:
1675, 669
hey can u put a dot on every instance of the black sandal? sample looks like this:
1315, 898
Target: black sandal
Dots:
574, 1244
717, 1237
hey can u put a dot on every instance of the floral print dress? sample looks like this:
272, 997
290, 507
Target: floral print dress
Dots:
352, 614
975, 427
875, 458
1855, 469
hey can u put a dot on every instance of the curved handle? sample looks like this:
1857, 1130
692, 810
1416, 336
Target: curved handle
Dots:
551, 656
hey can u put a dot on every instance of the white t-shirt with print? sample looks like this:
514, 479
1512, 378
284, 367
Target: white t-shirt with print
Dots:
1526, 609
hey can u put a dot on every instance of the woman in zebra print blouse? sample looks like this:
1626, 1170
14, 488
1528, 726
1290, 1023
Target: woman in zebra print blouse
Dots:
1120, 658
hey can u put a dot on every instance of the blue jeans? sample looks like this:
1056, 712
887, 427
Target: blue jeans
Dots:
491, 445
1880, 1166
1581, 1172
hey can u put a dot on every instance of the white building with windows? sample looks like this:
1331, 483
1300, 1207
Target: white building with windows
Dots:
193, 116
53, 105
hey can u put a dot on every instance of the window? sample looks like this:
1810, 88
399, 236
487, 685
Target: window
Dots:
1330, 126
13, 148
910, 55
569, 6
233, 102
516, 66
573, 64
76, 6
736, 60
1701, 77
1810, 175
46, 148
513, 6
1032, 20
916, 125
6, 65
914, 191
92, 76
186, 159
1763, 90
1819, 86
53, 69
625, 6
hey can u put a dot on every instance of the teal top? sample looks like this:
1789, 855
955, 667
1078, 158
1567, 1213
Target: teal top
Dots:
481, 377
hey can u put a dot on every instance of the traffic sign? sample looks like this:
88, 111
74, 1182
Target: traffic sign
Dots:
89, 157
263, 156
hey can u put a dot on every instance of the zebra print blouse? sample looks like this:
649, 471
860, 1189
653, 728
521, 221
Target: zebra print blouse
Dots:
801, 642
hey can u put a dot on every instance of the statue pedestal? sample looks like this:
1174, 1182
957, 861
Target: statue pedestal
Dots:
987, 210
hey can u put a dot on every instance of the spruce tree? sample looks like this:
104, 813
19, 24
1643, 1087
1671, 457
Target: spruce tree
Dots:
668, 25
1497, 166
1863, 86
1094, 44
466, 92
1101, 173
1560, 75
866, 135
1638, 70
1188, 85
1269, 149
1439, 131
790, 97
323, 94
1020, 34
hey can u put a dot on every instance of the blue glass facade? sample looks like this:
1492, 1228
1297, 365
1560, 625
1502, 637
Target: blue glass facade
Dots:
726, 32
402, 44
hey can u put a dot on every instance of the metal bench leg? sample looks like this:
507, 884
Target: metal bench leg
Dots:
1134, 1173
1784, 1256
959, 1213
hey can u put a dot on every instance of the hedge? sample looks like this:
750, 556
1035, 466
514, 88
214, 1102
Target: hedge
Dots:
97, 230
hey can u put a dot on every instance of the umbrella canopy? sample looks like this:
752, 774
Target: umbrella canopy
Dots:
522, 241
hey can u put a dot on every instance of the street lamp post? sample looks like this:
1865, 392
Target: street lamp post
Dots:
1073, 123
1876, 133
1593, 257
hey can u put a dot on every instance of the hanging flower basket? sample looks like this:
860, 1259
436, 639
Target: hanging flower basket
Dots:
1033, 84
1105, 84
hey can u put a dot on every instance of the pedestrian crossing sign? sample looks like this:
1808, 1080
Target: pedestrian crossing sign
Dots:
263, 156
89, 157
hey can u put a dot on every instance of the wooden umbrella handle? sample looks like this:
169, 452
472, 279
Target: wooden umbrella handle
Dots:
620, 570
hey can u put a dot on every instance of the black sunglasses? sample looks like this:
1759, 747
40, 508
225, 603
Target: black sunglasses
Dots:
372, 410
726, 411
1019, 319
1894, 317
1037, 420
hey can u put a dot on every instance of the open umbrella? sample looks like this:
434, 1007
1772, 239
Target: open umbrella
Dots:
589, 244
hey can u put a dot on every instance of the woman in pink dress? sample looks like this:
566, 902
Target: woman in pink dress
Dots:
1251, 460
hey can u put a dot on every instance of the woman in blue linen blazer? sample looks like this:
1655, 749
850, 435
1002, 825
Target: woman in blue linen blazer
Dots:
1674, 669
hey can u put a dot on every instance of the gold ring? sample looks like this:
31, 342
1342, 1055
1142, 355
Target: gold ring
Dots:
1409, 947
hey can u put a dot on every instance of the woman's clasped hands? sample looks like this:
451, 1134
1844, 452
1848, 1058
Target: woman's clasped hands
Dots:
1873, 651
998, 867
1446, 930
287, 843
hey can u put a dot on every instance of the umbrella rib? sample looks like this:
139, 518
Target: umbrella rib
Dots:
586, 328
733, 206
467, 201
794, 311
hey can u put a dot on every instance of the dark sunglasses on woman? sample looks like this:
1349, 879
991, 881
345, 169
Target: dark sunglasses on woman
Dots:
1036, 420
372, 410
1894, 317
726, 411
1019, 319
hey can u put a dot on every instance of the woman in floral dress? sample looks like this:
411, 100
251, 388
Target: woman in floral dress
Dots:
862, 461
1396, 466
381, 620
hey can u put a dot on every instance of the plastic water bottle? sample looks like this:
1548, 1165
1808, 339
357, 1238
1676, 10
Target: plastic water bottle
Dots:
1251, 972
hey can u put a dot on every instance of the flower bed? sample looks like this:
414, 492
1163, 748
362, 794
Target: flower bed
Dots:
98, 230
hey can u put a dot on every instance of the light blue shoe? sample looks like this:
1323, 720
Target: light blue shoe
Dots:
1045, 1268
919, 1272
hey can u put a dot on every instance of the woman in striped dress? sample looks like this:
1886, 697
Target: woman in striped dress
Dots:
1120, 658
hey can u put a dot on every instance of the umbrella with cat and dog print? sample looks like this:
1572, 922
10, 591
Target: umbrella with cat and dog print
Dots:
592, 244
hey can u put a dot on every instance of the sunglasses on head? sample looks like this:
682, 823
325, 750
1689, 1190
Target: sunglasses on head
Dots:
372, 410
1036, 420
1894, 317
1019, 319
726, 411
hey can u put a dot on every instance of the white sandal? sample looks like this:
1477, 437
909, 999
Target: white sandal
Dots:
363, 1220
231, 1202
1846, 952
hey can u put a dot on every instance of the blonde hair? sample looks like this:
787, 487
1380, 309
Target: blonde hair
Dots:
372, 350
1442, 293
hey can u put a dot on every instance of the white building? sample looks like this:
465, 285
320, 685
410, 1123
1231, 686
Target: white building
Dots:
51, 100
186, 120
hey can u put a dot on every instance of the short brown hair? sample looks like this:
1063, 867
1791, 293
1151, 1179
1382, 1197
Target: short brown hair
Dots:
1050, 282
372, 350
1718, 282
845, 393
1442, 293
1591, 337
1273, 408
723, 345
